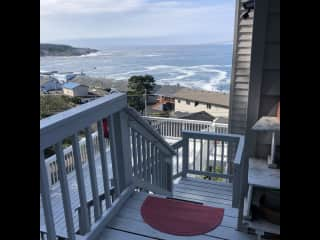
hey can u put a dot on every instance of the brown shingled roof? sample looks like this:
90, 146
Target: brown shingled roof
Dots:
216, 98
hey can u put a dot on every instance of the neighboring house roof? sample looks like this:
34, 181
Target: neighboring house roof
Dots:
45, 79
200, 116
167, 90
72, 85
216, 98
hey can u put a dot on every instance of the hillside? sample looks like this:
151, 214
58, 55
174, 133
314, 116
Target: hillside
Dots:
63, 50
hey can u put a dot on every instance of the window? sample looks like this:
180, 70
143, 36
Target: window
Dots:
196, 104
208, 106
179, 100
188, 102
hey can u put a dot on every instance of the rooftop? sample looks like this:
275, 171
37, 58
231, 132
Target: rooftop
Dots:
45, 79
72, 85
216, 98
201, 116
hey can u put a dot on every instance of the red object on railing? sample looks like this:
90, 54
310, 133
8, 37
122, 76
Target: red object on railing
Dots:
105, 128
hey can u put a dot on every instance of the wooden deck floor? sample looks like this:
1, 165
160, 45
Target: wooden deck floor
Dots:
128, 224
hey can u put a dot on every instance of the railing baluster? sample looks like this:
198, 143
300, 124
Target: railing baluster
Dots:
177, 158
139, 154
164, 173
194, 154
215, 156
84, 215
222, 156
65, 192
160, 170
148, 163
134, 151
153, 158
162, 128
144, 159
93, 174
155, 164
167, 128
185, 155
114, 157
104, 164
208, 154
158, 167
46, 202
201, 149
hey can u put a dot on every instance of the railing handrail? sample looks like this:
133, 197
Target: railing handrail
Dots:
143, 123
178, 120
60, 125
214, 136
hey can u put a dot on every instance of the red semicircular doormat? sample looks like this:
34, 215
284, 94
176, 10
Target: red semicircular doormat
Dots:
179, 217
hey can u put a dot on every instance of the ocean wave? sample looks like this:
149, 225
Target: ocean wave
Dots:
96, 54
206, 77
151, 55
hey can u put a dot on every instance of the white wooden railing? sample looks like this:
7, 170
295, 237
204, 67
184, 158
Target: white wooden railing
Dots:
167, 127
210, 155
144, 166
173, 127
52, 165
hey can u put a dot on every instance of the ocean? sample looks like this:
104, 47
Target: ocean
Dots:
204, 67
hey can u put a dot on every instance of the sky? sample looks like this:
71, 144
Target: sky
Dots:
165, 21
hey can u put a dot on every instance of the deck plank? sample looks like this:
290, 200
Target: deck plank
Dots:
207, 183
204, 181
114, 234
223, 203
214, 197
134, 226
195, 191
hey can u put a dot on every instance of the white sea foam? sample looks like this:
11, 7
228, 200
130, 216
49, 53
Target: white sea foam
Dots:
156, 67
96, 54
183, 75
151, 55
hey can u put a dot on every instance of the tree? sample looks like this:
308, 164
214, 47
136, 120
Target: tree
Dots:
136, 90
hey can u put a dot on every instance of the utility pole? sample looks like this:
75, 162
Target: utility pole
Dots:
145, 102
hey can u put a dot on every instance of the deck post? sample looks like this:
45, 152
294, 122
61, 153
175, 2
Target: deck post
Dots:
185, 155
169, 172
123, 149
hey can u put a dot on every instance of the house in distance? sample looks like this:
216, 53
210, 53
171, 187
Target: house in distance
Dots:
74, 89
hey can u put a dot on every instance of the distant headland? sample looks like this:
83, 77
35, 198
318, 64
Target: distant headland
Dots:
47, 49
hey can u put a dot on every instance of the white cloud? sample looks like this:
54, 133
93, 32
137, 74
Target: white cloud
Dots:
51, 7
72, 19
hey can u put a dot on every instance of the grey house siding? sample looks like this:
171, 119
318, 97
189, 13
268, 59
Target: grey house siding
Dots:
240, 71
270, 82
260, 36
271, 75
